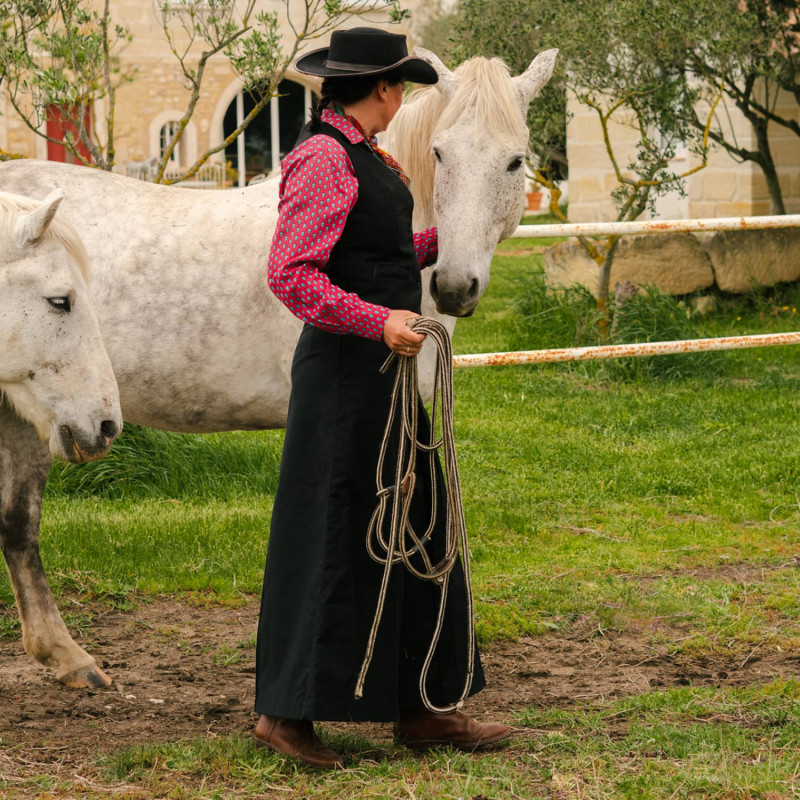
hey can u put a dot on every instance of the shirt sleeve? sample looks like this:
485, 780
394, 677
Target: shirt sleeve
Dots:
426, 245
318, 191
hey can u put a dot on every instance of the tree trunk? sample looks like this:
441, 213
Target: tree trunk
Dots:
603, 287
768, 166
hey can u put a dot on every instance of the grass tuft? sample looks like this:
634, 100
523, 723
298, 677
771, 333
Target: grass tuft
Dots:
148, 463
652, 316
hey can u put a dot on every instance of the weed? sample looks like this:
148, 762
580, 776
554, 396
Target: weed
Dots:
651, 316
547, 318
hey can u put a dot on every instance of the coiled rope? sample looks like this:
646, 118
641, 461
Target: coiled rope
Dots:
403, 542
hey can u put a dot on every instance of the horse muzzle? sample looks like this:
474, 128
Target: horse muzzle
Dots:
78, 447
455, 298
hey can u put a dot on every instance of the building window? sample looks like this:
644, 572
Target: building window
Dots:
271, 135
167, 132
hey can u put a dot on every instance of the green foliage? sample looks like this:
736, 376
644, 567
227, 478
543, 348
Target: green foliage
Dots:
250, 41
437, 34
548, 318
660, 60
66, 54
610, 65
748, 50
256, 58
568, 317
651, 316
515, 31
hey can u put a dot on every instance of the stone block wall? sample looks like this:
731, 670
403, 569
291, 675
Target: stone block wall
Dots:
724, 188
682, 263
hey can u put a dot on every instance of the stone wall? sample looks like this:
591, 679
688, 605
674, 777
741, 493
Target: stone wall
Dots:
682, 263
724, 188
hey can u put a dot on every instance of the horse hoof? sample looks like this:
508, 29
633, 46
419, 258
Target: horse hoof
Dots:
91, 677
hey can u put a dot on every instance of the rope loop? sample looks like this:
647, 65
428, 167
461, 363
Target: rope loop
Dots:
403, 542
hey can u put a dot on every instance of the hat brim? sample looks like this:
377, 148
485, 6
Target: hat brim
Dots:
411, 68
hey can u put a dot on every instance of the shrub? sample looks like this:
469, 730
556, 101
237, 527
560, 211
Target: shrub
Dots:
551, 318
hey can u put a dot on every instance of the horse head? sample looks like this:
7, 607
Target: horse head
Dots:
55, 371
464, 145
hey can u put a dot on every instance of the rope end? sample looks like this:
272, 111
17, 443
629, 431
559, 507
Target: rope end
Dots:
386, 364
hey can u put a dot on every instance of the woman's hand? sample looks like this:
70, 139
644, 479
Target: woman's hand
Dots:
399, 337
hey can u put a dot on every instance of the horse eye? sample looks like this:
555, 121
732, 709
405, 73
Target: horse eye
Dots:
515, 165
438, 155
60, 304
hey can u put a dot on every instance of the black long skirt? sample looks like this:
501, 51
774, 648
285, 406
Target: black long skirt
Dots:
320, 585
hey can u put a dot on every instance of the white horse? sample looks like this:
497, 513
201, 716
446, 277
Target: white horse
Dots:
197, 341
58, 395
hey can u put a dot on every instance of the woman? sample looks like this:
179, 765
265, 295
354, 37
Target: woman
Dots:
344, 260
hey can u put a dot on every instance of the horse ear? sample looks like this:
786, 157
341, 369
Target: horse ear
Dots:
31, 227
448, 83
535, 77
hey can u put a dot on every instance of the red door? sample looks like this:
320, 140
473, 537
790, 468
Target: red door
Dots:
61, 121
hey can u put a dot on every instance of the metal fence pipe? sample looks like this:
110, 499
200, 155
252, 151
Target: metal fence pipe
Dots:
657, 226
624, 350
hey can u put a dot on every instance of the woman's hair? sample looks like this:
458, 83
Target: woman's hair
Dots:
348, 90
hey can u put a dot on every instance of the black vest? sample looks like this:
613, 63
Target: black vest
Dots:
376, 248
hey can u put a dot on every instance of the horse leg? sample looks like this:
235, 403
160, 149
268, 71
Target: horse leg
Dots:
24, 465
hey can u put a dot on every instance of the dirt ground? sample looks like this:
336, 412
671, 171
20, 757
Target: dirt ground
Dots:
176, 675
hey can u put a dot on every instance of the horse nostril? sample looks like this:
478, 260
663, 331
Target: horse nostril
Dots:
434, 291
108, 429
473, 289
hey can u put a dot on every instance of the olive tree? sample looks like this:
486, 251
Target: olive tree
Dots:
63, 54
751, 50
515, 30
606, 66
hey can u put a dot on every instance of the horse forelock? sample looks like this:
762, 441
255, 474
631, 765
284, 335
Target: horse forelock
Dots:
484, 84
60, 230
484, 90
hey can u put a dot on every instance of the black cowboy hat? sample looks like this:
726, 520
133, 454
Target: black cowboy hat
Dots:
366, 51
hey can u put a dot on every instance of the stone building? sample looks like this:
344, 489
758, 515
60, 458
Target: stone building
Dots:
156, 99
724, 188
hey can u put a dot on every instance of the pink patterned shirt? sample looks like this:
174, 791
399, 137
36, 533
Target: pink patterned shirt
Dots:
318, 190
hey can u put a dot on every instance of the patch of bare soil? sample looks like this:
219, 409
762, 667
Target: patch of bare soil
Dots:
176, 675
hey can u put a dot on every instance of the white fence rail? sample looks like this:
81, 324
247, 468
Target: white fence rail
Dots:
657, 226
624, 350
209, 176
641, 348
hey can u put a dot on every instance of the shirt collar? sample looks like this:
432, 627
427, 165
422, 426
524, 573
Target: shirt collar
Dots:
352, 131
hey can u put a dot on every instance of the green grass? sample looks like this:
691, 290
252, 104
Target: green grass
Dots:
591, 495
580, 469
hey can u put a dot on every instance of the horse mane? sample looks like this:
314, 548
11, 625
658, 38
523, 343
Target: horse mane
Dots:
484, 86
60, 230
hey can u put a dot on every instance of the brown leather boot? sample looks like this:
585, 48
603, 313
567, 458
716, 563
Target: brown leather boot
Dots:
423, 729
295, 738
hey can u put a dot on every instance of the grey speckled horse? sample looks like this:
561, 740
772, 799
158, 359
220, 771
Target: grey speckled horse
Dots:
58, 397
197, 341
